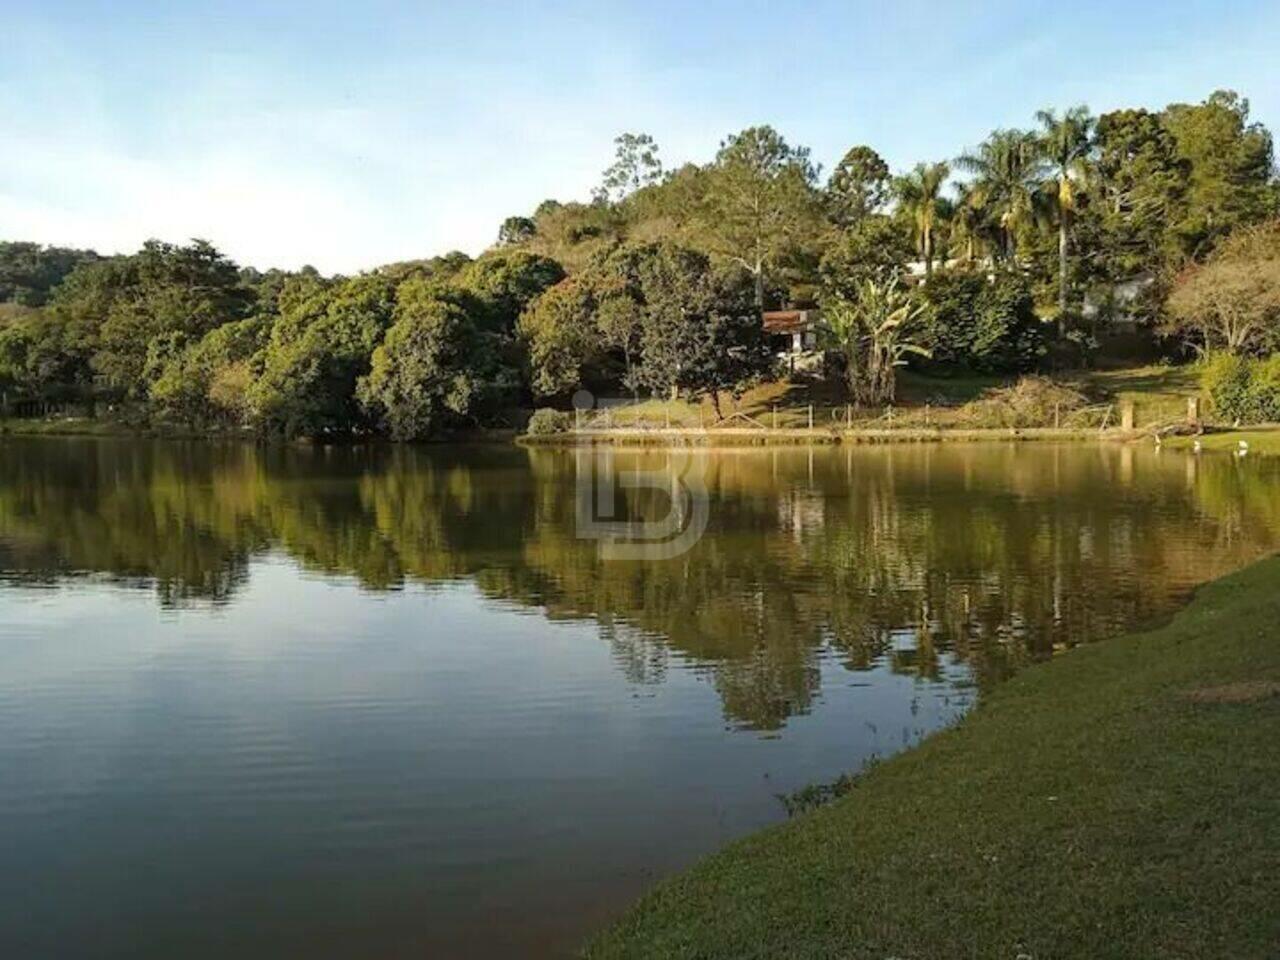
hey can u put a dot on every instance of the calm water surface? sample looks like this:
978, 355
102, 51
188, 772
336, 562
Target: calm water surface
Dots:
386, 703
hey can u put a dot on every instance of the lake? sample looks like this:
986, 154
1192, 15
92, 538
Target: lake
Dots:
394, 702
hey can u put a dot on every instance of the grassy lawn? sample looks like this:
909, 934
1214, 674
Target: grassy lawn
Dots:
1159, 394
1122, 801
62, 427
1261, 440
85, 427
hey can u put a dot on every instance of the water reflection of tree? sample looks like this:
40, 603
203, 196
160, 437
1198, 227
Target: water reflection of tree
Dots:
912, 556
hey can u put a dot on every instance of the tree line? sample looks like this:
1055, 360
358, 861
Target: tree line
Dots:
1018, 253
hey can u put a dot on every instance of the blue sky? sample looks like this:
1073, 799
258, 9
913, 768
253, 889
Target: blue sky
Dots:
348, 135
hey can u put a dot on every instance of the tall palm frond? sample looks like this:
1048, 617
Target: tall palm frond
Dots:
1067, 146
1007, 169
919, 195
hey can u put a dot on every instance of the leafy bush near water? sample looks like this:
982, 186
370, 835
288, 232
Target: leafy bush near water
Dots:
546, 422
1244, 389
986, 324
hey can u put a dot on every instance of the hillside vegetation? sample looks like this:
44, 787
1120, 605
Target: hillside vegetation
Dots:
1079, 243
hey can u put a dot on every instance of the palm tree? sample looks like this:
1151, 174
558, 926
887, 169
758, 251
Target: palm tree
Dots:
1067, 145
968, 223
919, 195
1007, 168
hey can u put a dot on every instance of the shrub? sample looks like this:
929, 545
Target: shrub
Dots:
546, 422
1265, 388
1224, 378
1031, 402
985, 325
1242, 389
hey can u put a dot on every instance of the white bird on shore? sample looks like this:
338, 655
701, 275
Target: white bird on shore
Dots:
1196, 445
1243, 447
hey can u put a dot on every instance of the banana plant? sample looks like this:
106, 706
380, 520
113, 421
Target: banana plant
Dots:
877, 330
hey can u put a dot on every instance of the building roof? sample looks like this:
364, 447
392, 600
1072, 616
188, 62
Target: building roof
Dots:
789, 321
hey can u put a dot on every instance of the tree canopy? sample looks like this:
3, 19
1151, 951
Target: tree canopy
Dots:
994, 260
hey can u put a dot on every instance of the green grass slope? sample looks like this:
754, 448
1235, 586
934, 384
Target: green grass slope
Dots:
1122, 801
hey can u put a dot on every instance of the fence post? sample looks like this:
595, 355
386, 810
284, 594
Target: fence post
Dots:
1126, 415
926, 413
1057, 419
775, 416
811, 416
848, 416
608, 419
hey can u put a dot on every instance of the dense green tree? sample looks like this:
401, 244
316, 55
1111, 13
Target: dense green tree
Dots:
36, 362
700, 329
562, 337
982, 323
858, 186
1232, 170
208, 381
761, 201
573, 234
29, 272
113, 309
1138, 195
661, 315
433, 367
505, 283
319, 348
516, 230
877, 247
728, 350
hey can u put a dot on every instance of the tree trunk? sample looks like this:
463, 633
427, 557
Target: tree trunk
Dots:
928, 252
715, 404
1062, 275
759, 284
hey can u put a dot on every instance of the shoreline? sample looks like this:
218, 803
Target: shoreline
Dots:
1263, 439
742, 436
114, 430
1117, 802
